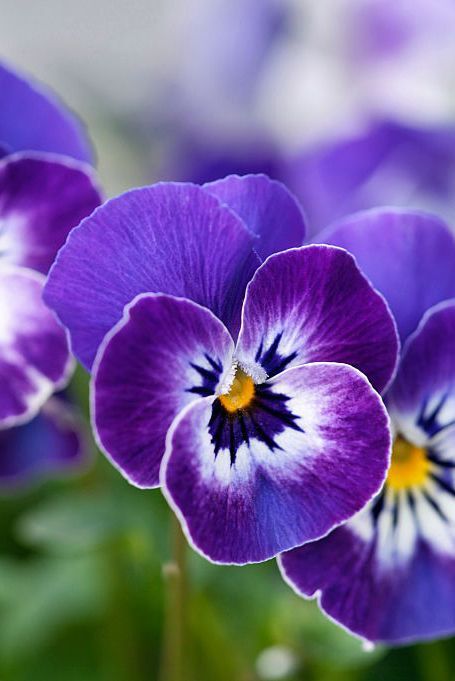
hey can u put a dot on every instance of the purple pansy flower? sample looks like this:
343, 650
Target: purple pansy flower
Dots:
389, 573
42, 196
226, 375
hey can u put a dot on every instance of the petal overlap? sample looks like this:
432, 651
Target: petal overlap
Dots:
33, 119
267, 208
389, 573
165, 353
170, 238
42, 197
407, 255
313, 304
326, 458
34, 356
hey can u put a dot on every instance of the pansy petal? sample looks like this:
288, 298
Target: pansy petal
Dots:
42, 197
53, 443
313, 304
170, 238
267, 208
380, 600
408, 256
33, 119
422, 398
311, 451
165, 353
34, 356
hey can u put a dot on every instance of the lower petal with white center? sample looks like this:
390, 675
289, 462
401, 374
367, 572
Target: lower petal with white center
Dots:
302, 453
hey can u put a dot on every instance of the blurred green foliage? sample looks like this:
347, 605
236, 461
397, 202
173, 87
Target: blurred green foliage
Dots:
82, 599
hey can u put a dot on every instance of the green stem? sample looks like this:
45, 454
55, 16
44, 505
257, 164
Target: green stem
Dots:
174, 574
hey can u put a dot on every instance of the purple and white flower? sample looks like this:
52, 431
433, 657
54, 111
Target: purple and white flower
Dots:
389, 573
42, 196
226, 372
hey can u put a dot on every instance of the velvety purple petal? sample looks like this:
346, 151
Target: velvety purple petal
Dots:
33, 119
422, 397
390, 603
53, 443
34, 356
266, 207
408, 256
388, 164
42, 197
313, 304
165, 353
169, 238
269, 488
3, 150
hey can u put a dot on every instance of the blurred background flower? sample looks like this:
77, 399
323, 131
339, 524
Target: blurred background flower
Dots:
349, 102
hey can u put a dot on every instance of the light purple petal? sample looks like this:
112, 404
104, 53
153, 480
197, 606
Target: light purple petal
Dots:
282, 487
313, 304
408, 256
165, 353
34, 356
266, 207
33, 119
51, 444
42, 197
169, 238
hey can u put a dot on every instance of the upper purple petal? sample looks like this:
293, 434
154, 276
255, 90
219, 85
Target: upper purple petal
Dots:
313, 304
266, 207
42, 197
33, 119
408, 256
162, 355
310, 451
34, 355
169, 238
53, 443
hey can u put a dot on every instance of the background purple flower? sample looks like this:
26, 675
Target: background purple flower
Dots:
387, 575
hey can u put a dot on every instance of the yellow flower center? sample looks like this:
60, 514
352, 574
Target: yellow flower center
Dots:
410, 466
240, 394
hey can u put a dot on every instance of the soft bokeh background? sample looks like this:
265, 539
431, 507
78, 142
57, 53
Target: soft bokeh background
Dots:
189, 89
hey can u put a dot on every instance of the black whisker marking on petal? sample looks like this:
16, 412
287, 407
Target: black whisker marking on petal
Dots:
429, 422
395, 514
243, 429
434, 504
200, 390
263, 436
377, 507
443, 484
272, 362
217, 366
434, 458
287, 418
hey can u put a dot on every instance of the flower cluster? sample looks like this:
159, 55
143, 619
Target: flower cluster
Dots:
46, 188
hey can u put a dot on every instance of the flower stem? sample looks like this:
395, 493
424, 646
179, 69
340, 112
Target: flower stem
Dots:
174, 574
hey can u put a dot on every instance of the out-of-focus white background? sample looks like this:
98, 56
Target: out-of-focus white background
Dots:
300, 70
